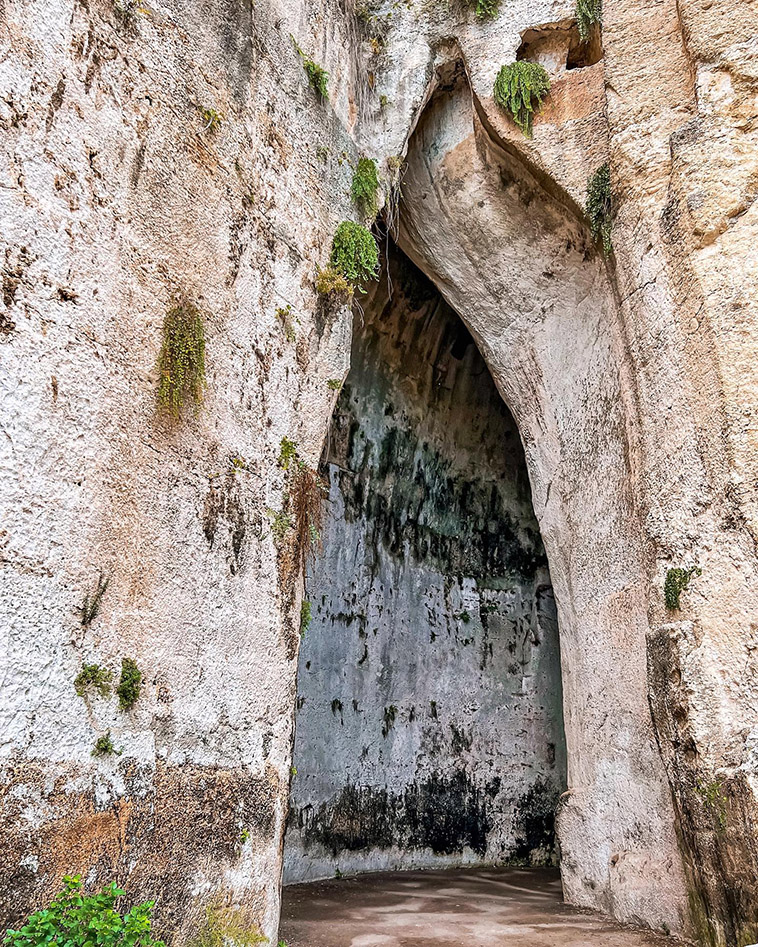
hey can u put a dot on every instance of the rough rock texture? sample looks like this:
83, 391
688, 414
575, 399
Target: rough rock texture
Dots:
429, 727
633, 384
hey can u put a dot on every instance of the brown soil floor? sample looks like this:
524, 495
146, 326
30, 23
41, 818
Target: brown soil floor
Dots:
451, 908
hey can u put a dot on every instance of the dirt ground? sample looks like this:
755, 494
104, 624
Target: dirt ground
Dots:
452, 908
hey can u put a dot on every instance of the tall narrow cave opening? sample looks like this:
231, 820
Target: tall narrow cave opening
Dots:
429, 725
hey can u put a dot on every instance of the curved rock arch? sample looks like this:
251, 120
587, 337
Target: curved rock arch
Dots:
518, 265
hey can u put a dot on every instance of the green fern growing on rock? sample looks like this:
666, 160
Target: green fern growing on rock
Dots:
520, 88
365, 187
355, 255
589, 13
182, 358
599, 207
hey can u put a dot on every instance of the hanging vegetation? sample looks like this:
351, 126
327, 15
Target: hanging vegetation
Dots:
182, 358
354, 252
365, 187
317, 76
599, 207
589, 13
520, 89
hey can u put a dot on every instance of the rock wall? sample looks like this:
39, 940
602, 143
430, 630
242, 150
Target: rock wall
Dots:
429, 727
632, 382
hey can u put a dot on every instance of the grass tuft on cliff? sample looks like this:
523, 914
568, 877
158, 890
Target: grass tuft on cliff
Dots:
520, 88
331, 284
90, 607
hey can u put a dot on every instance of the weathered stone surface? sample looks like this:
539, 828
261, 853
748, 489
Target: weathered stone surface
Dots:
633, 385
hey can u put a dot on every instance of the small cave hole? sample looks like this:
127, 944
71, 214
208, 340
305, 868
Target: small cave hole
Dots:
558, 47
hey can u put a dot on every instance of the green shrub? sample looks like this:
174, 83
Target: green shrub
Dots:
588, 13
92, 675
104, 746
90, 607
676, 582
332, 284
128, 689
334, 384
520, 88
75, 919
599, 207
354, 252
182, 357
306, 616
365, 187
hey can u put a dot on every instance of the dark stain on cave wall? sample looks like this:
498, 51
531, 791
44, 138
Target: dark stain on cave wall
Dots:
429, 725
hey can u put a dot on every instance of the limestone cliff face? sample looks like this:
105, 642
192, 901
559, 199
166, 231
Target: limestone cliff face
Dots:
176, 148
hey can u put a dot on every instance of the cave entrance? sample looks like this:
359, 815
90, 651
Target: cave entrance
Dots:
429, 725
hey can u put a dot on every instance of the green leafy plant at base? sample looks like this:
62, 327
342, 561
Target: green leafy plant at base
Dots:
90, 607
354, 252
182, 358
333, 285
92, 675
520, 89
75, 919
104, 746
599, 207
128, 689
365, 187
676, 582
226, 926
287, 453
306, 616
333, 384
588, 13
